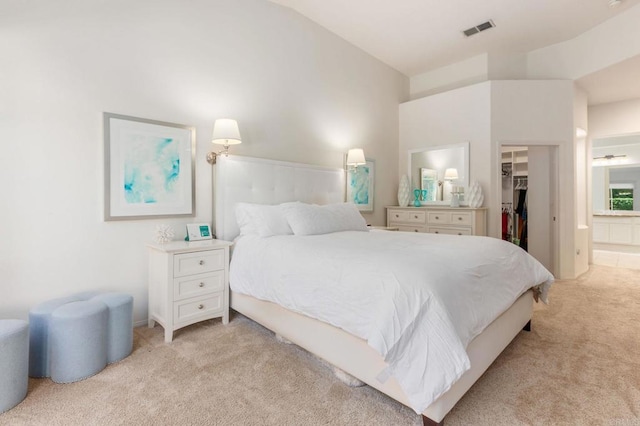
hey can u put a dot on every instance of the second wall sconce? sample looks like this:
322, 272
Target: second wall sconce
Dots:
225, 133
355, 158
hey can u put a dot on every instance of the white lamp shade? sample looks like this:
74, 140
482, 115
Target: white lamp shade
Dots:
355, 157
226, 132
451, 174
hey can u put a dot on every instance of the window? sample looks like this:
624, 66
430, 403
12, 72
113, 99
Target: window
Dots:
621, 196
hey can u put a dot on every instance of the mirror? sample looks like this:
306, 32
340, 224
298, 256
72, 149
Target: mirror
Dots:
427, 167
616, 174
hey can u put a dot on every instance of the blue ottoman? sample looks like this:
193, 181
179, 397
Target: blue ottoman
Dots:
78, 340
120, 325
39, 319
14, 362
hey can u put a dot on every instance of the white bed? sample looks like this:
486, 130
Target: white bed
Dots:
241, 179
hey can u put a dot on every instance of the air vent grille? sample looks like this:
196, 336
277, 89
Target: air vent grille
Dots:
481, 27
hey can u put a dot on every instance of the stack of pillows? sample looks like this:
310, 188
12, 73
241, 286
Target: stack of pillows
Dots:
298, 219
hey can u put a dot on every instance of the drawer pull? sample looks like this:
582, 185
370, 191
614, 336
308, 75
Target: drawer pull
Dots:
397, 215
201, 285
415, 230
437, 218
437, 232
459, 233
200, 306
201, 262
459, 217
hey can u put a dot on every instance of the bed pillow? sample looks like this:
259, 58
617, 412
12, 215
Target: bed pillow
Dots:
311, 219
262, 219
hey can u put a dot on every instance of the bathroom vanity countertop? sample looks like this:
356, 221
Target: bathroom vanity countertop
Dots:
615, 213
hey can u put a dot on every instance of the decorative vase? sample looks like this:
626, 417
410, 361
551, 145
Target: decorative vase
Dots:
403, 191
475, 195
416, 194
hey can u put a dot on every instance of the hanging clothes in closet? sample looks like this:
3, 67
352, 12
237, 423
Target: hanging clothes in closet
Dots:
521, 212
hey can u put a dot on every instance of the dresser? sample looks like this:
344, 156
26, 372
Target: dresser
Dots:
438, 220
188, 283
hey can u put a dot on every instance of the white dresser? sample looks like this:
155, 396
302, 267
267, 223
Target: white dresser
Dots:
438, 220
188, 283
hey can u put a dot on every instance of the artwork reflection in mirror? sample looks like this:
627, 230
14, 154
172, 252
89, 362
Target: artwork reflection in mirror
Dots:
428, 183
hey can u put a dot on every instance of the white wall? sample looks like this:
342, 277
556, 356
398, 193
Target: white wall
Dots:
298, 92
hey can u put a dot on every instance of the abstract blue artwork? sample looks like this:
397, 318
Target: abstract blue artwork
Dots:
360, 188
148, 168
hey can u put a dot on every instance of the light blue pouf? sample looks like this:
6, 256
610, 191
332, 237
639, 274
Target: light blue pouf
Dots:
39, 319
14, 362
78, 333
120, 325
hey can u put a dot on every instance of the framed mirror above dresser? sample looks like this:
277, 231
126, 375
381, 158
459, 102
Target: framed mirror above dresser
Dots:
428, 167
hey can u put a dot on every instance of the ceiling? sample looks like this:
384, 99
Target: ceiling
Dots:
416, 36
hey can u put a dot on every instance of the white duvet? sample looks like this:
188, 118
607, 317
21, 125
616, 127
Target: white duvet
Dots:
418, 299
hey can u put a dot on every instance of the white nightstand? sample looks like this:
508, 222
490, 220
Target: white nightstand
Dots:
188, 283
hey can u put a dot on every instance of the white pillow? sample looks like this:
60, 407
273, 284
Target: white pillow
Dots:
262, 219
311, 219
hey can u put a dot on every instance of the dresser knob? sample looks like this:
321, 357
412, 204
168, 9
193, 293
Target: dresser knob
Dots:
200, 306
201, 285
459, 218
437, 218
459, 233
201, 262
416, 216
397, 215
437, 232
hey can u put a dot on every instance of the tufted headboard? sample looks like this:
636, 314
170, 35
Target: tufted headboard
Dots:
255, 180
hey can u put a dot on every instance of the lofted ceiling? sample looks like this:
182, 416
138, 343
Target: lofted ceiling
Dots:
416, 36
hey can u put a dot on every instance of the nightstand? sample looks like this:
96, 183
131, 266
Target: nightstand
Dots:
188, 283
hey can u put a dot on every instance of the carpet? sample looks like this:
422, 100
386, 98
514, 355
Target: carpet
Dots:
580, 365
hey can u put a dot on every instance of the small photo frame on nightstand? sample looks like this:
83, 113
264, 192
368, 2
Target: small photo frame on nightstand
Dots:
198, 231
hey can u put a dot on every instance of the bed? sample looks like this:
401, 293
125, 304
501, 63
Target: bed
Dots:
241, 180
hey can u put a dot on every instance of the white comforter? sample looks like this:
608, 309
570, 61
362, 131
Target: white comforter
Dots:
417, 299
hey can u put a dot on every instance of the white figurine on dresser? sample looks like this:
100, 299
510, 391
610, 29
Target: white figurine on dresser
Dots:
438, 220
188, 283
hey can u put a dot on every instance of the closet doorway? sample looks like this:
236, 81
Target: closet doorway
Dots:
529, 200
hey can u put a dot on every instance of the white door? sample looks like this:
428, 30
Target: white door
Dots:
542, 204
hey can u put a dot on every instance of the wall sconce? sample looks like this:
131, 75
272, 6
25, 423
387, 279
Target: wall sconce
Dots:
451, 175
225, 133
355, 158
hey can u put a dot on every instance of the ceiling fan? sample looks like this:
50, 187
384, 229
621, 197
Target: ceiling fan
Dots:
609, 157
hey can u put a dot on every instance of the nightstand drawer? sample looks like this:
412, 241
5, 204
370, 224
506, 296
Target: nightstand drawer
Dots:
450, 231
191, 309
198, 285
198, 262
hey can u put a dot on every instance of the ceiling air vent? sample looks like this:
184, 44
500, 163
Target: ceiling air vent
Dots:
475, 30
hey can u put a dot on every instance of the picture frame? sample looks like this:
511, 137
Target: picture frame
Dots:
149, 168
198, 231
360, 185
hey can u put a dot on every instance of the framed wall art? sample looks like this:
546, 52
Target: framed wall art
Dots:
149, 168
360, 188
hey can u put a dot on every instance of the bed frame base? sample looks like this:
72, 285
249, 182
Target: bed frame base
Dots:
426, 421
354, 356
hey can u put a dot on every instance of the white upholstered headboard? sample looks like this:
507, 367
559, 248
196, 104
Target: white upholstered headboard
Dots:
255, 180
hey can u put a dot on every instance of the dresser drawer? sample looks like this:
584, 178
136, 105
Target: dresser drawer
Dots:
461, 219
407, 228
403, 216
198, 262
443, 218
197, 285
449, 231
190, 309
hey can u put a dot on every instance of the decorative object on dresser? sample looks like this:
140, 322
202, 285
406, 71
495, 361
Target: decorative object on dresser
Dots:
188, 283
403, 191
438, 220
149, 168
164, 233
475, 198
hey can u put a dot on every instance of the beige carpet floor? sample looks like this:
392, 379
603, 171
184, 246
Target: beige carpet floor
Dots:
579, 366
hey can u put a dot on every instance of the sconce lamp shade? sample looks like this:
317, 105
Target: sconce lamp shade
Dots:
451, 174
355, 157
226, 132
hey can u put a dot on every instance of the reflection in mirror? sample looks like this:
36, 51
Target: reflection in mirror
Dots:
429, 183
436, 160
616, 174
